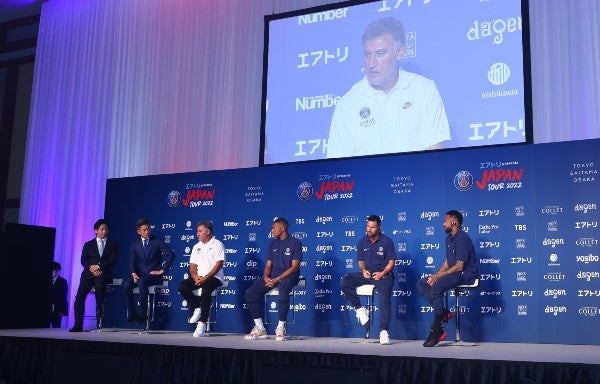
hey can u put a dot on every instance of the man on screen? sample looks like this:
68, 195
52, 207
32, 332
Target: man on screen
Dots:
390, 110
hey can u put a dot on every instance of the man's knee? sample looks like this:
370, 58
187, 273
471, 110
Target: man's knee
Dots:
250, 296
345, 283
182, 288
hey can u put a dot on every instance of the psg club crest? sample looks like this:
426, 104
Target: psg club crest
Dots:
305, 191
173, 199
463, 181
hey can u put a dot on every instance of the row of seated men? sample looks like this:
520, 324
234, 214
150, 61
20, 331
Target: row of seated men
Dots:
151, 258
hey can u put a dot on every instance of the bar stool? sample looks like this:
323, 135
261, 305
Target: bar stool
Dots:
275, 292
368, 291
151, 303
212, 314
461, 290
109, 287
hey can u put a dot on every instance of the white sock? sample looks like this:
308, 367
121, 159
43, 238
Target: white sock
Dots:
281, 324
258, 322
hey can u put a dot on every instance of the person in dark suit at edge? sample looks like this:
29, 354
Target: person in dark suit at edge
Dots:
97, 258
147, 268
59, 307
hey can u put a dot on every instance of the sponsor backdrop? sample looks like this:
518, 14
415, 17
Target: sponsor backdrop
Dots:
532, 215
474, 57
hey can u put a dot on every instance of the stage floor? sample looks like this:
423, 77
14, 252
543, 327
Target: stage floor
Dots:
521, 352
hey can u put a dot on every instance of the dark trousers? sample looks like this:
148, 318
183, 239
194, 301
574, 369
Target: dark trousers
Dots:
143, 283
255, 296
55, 319
383, 286
85, 286
436, 293
186, 290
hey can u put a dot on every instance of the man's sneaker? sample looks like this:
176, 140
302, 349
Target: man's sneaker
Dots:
384, 338
435, 336
280, 334
195, 316
447, 316
200, 329
256, 333
362, 315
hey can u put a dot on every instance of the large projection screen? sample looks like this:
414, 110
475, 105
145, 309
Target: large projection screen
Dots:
337, 84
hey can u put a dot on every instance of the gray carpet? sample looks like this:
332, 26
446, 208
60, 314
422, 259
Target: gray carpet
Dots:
586, 354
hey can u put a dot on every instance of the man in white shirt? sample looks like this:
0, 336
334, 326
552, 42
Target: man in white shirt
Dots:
390, 110
206, 272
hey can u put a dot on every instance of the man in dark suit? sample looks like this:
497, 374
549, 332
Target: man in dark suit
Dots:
147, 268
59, 297
97, 257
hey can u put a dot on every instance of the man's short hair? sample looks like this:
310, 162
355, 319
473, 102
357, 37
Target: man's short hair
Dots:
55, 266
374, 218
98, 223
141, 222
389, 25
206, 224
282, 221
456, 215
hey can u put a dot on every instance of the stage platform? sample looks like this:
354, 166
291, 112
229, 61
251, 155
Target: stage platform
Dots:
126, 356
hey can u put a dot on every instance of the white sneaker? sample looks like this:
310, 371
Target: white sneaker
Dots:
280, 334
195, 316
256, 333
384, 338
362, 315
200, 329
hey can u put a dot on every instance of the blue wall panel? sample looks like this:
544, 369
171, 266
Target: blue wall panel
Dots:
531, 211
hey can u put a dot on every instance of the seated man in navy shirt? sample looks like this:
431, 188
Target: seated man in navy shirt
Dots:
282, 270
460, 267
376, 257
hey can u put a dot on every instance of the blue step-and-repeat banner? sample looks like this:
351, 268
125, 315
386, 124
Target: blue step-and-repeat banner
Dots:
531, 210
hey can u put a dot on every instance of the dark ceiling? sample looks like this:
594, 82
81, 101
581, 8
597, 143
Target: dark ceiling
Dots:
16, 9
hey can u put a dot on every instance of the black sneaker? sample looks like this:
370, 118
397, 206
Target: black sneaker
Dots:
435, 336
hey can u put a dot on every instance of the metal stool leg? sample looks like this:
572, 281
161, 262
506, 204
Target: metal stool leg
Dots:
457, 293
150, 312
460, 291
214, 303
370, 302
151, 306
99, 318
